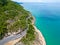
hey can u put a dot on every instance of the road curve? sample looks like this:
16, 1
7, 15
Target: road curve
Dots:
12, 37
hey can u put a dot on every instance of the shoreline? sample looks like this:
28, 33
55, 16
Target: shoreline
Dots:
41, 38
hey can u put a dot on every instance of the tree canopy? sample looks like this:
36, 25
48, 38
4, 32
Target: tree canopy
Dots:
3, 2
10, 13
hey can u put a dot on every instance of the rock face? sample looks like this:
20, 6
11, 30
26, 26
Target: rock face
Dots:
39, 38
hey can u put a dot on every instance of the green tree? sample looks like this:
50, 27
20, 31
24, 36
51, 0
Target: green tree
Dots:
3, 2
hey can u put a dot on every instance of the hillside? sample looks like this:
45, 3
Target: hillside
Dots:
14, 19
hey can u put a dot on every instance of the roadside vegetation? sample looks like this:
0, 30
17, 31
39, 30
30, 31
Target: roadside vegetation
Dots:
30, 36
12, 17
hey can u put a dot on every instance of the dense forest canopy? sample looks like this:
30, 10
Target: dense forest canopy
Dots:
3, 2
12, 17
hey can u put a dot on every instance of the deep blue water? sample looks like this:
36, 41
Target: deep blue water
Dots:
47, 17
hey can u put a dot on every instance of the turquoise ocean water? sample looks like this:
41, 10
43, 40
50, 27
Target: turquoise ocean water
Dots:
47, 17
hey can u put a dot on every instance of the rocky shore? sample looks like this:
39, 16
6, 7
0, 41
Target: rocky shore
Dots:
39, 38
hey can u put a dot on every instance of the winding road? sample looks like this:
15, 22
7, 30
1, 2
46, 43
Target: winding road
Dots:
12, 37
